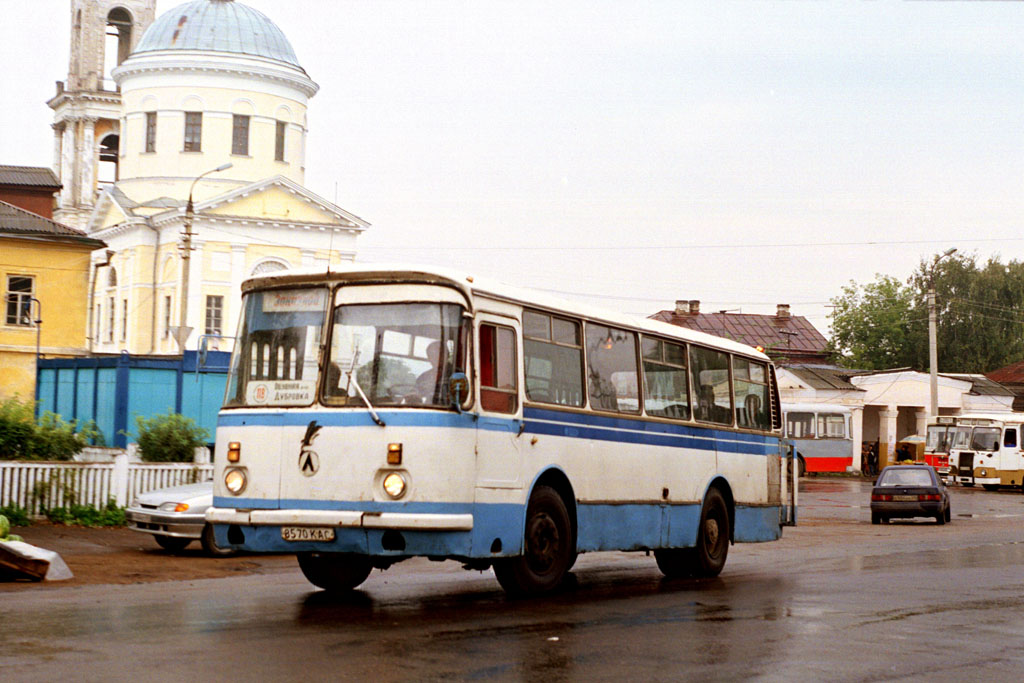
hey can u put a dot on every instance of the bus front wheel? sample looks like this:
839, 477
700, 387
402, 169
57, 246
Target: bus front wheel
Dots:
707, 558
547, 548
335, 572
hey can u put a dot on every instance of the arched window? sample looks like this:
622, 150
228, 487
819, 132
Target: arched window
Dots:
108, 167
118, 43
112, 277
269, 267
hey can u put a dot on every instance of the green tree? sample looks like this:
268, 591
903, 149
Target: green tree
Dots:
874, 326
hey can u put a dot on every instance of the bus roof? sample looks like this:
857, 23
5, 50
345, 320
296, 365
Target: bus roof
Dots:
472, 286
815, 408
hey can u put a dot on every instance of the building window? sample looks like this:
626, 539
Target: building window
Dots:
167, 317
193, 131
150, 131
279, 141
240, 135
19, 299
124, 319
214, 314
110, 319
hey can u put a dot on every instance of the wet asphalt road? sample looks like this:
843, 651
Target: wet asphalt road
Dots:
836, 599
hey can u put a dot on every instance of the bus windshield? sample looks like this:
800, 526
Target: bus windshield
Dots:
275, 358
938, 439
395, 353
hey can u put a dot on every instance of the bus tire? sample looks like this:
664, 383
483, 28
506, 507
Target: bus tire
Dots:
547, 548
707, 558
990, 487
801, 467
335, 572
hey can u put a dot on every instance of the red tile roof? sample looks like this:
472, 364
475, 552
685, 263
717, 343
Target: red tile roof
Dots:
17, 222
1011, 374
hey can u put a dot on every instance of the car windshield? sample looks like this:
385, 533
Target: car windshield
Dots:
400, 354
905, 477
938, 439
275, 358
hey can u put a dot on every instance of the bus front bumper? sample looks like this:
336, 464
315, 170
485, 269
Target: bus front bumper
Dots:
342, 519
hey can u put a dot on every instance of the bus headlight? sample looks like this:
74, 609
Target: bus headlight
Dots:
235, 481
394, 485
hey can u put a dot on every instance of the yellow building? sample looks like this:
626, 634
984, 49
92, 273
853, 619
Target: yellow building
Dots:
210, 142
44, 267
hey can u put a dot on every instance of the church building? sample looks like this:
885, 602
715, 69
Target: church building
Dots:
188, 159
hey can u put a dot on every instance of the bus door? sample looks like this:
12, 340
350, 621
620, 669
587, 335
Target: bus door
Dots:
500, 425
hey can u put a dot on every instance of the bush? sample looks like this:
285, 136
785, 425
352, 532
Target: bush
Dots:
169, 438
16, 515
51, 438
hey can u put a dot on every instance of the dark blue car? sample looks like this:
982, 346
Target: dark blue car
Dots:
909, 491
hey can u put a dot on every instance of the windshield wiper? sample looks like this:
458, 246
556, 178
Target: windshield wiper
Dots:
359, 390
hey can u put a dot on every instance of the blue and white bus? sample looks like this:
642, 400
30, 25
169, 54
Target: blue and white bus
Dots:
378, 413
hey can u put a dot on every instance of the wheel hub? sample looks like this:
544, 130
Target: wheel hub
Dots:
542, 543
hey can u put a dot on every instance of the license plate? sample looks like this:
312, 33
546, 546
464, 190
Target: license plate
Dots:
904, 499
307, 533
143, 519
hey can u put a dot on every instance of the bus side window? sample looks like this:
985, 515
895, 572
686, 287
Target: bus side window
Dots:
611, 369
554, 359
665, 391
709, 372
499, 392
1010, 439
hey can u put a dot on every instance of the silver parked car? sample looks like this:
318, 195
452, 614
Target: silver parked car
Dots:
176, 516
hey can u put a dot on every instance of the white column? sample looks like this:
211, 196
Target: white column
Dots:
67, 165
857, 435
87, 169
58, 134
887, 435
196, 296
921, 415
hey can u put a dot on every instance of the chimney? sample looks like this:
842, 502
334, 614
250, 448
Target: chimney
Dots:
782, 311
684, 307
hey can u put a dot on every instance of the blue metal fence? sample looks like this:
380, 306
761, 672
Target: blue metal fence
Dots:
113, 390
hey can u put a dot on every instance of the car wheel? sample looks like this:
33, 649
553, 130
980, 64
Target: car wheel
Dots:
940, 518
172, 543
707, 558
335, 572
949, 514
547, 548
210, 544
876, 518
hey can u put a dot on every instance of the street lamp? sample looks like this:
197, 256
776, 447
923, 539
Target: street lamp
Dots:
39, 327
186, 257
933, 352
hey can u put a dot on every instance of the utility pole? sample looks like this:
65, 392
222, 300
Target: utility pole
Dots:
933, 347
183, 331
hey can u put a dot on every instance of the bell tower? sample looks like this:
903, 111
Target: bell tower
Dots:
87, 106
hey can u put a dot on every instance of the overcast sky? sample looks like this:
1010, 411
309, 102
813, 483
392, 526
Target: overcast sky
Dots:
744, 154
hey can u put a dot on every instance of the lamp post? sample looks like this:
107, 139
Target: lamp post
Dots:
39, 327
186, 258
933, 352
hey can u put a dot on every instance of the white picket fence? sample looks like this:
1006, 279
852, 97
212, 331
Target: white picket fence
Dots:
37, 486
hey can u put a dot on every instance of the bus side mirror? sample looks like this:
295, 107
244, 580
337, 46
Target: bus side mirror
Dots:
458, 389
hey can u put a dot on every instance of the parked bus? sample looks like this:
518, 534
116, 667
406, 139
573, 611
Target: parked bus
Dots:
986, 450
938, 438
820, 433
377, 414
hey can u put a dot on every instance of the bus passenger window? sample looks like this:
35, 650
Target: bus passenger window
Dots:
800, 425
554, 359
709, 372
498, 389
665, 390
1010, 440
611, 369
750, 380
831, 426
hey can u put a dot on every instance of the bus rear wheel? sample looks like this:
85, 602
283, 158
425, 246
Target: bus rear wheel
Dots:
547, 548
707, 558
335, 572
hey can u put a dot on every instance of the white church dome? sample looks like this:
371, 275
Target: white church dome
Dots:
219, 26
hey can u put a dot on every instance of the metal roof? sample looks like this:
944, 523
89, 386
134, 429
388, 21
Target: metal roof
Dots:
981, 385
34, 176
1011, 374
218, 26
823, 378
17, 222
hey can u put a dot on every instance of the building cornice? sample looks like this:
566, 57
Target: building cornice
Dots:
249, 67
